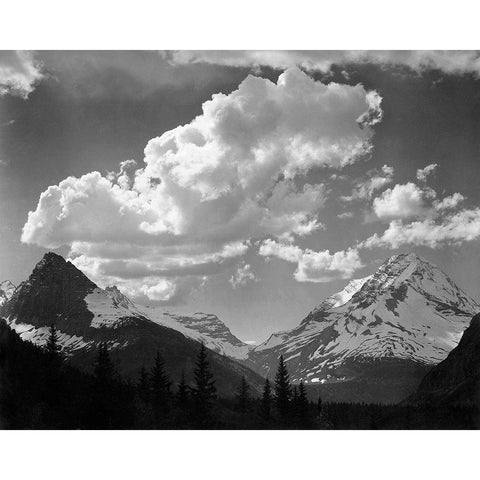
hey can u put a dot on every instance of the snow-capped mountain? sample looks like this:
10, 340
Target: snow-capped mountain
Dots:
6, 291
86, 315
408, 311
203, 327
111, 309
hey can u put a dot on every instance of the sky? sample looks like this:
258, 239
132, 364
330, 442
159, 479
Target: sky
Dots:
247, 184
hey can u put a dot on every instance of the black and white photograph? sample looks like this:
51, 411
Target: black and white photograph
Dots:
239, 240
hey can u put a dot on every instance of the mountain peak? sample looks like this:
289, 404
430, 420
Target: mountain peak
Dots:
53, 266
51, 258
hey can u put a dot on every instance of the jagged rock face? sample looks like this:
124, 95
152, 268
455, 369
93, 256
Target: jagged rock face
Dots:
6, 291
204, 327
456, 380
85, 315
54, 292
408, 313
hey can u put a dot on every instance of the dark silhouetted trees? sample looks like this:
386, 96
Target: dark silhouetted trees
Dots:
243, 395
160, 386
204, 390
52, 347
182, 392
283, 389
266, 405
104, 369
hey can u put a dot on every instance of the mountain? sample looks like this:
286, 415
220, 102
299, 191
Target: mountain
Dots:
85, 315
456, 380
376, 339
203, 327
6, 291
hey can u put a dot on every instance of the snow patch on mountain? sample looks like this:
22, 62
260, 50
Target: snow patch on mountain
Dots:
110, 308
39, 336
203, 327
343, 296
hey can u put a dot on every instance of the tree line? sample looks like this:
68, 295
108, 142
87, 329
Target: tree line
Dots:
40, 389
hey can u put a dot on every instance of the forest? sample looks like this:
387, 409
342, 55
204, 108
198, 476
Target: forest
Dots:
40, 389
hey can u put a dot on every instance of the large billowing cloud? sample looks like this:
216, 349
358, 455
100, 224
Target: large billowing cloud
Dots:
454, 62
19, 73
233, 174
313, 266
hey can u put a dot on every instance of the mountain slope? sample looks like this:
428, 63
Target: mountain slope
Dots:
6, 291
404, 318
85, 315
203, 327
456, 380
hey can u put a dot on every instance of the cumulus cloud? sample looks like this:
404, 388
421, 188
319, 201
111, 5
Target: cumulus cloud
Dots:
243, 276
433, 221
452, 62
449, 203
313, 266
365, 188
19, 72
423, 173
207, 188
401, 201
453, 229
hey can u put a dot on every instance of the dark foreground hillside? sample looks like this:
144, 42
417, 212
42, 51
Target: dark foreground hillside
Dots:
39, 390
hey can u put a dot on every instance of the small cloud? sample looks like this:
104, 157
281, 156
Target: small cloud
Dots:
243, 276
364, 189
251, 342
423, 173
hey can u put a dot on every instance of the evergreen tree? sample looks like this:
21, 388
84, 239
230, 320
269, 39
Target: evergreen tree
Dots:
266, 400
52, 347
160, 385
143, 385
302, 405
182, 392
243, 395
319, 406
283, 389
104, 369
105, 404
295, 397
204, 390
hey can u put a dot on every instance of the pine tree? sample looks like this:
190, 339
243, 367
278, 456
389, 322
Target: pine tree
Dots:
319, 406
104, 398
160, 385
243, 395
52, 347
266, 400
104, 369
182, 392
204, 390
143, 385
302, 405
283, 389
295, 397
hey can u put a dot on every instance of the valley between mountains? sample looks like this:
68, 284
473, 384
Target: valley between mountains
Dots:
373, 341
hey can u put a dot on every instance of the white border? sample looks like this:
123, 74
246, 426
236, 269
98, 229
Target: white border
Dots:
246, 24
